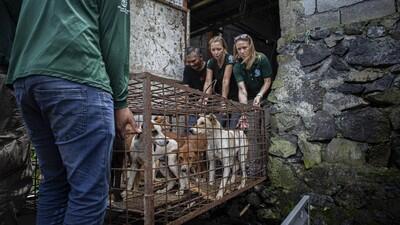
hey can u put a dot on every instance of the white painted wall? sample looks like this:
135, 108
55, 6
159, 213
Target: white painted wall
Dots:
157, 38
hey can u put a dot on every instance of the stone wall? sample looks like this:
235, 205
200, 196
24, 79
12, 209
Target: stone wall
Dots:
298, 16
335, 106
158, 36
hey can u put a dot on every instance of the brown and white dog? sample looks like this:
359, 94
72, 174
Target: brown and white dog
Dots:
166, 129
191, 155
225, 145
162, 147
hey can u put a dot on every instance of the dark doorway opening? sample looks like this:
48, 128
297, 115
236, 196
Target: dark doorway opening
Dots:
258, 18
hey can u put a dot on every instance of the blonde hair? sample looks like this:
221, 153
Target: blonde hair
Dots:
249, 60
219, 39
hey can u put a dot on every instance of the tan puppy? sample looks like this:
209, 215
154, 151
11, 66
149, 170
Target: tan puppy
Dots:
192, 156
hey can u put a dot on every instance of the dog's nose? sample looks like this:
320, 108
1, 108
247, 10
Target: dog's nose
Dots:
191, 131
183, 169
166, 142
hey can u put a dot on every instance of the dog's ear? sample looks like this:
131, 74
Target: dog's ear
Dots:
212, 117
158, 119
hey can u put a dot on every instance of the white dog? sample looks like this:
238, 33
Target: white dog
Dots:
225, 145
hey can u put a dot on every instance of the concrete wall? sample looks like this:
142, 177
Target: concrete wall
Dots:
298, 16
157, 38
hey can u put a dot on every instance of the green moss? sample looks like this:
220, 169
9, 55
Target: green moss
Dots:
278, 83
281, 175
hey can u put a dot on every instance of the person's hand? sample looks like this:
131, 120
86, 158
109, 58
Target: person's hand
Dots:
257, 100
223, 107
243, 124
223, 104
122, 118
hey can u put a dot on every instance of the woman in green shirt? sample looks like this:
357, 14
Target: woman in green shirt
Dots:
252, 72
219, 77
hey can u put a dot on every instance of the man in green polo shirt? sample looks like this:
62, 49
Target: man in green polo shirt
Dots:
69, 68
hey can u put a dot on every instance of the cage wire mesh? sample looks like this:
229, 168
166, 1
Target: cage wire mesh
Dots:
163, 176
185, 161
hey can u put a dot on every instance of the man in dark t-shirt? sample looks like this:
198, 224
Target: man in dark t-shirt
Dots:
195, 70
194, 76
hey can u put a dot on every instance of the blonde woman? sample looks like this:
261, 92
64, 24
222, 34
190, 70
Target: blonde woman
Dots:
219, 77
253, 74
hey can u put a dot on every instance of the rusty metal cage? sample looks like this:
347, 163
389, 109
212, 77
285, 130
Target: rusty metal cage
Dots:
165, 174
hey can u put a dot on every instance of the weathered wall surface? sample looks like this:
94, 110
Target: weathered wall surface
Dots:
335, 105
298, 16
157, 38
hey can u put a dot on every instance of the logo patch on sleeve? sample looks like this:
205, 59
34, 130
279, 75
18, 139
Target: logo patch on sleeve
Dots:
257, 73
123, 7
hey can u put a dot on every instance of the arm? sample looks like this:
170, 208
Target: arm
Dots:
226, 81
263, 90
242, 92
207, 84
186, 79
242, 123
114, 30
114, 27
267, 73
123, 117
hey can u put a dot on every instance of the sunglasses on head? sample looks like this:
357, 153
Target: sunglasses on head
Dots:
241, 37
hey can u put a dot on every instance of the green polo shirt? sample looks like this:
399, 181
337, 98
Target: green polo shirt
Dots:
218, 75
85, 41
253, 78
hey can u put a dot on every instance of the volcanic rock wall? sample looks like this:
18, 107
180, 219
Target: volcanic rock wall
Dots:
335, 106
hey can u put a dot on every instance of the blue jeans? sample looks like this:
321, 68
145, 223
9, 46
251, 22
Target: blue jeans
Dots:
72, 129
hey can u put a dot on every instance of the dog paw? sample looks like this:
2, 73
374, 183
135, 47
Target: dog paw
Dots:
180, 192
158, 180
219, 195
233, 179
124, 194
242, 185
202, 180
162, 191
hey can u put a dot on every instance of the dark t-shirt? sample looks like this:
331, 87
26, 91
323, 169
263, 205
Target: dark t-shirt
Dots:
195, 79
9, 10
253, 78
218, 75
